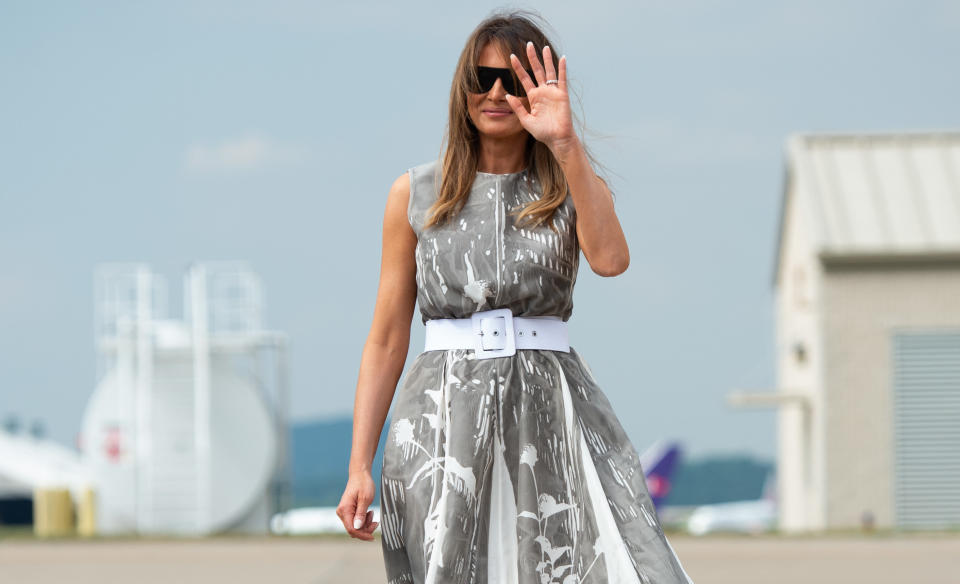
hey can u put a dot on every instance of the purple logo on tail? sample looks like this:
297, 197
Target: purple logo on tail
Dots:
658, 462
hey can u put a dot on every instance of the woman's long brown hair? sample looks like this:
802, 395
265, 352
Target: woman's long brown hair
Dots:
509, 32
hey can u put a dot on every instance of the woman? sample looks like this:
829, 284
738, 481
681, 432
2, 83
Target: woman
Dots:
505, 462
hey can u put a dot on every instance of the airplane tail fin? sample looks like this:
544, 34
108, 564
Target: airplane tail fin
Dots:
659, 462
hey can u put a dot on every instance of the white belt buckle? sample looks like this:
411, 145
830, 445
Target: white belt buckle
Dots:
493, 333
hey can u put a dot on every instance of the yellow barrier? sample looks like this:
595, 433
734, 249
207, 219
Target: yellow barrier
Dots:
87, 513
52, 512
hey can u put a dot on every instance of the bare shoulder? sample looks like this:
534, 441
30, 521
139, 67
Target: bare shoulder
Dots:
398, 198
401, 187
396, 223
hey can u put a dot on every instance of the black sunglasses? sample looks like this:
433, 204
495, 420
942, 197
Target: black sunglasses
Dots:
487, 76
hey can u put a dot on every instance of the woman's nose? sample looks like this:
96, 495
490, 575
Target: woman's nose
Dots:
497, 92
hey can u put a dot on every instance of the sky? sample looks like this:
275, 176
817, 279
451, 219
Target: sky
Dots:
270, 132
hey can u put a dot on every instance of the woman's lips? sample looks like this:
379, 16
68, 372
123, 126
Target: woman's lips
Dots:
497, 113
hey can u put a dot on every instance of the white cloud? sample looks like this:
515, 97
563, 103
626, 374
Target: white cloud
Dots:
244, 153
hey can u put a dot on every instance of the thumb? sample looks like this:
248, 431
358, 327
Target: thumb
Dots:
360, 517
517, 106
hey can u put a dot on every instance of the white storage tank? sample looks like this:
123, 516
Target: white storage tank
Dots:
185, 432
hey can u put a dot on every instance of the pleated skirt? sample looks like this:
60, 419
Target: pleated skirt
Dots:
515, 470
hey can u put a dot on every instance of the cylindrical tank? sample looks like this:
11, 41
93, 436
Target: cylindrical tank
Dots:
162, 485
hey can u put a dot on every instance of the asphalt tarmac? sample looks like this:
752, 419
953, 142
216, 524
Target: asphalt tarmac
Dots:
876, 559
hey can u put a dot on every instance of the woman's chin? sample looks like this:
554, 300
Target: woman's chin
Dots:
501, 130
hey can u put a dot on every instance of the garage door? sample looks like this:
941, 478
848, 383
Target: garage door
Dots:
926, 419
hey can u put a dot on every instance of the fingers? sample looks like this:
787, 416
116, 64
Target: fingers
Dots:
360, 517
551, 73
366, 532
521, 73
347, 514
356, 519
535, 63
562, 77
542, 71
370, 526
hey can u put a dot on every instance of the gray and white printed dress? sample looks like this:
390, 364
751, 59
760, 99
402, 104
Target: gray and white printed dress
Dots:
509, 469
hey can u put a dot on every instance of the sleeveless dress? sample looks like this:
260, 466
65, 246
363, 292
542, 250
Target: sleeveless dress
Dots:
509, 469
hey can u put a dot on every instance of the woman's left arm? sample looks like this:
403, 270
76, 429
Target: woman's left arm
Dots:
550, 121
598, 228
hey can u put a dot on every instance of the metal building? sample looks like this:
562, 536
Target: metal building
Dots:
867, 299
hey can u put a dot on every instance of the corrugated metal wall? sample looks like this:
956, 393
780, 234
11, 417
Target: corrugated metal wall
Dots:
926, 428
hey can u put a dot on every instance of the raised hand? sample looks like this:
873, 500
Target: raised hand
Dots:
549, 119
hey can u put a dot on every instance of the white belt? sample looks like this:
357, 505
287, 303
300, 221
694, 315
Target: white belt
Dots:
497, 333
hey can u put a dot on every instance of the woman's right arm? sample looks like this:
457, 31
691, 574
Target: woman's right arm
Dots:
384, 355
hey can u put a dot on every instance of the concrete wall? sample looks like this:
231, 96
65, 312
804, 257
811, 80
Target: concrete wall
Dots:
799, 435
861, 304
